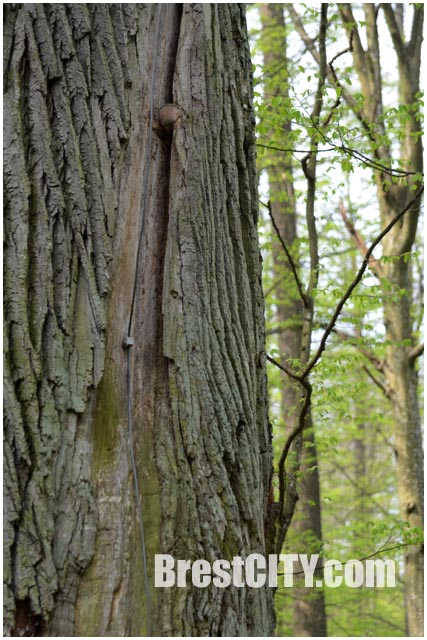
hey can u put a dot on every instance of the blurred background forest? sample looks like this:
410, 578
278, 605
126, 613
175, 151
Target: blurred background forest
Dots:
339, 106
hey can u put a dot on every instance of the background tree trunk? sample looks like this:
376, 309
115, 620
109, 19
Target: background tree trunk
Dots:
82, 182
400, 367
309, 615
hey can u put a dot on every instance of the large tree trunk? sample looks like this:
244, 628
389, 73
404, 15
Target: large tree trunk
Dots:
84, 185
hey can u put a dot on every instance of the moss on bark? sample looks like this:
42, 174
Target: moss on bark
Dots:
78, 94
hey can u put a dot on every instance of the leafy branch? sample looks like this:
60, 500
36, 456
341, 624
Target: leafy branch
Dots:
331, 325
302, 377
354, 153
357, 279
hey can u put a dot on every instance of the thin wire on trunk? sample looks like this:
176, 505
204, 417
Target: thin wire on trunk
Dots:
128, 342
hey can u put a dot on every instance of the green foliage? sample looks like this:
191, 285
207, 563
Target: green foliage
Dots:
351, 413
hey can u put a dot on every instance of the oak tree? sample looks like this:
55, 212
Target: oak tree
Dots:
135, 379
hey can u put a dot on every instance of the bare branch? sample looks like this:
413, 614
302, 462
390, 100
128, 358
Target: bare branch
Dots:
288, 255
354, 36
281, 472
395, 34
414, 45
293, 150
299, 28
348, 49
309, 42
384, 388
298, 429
359, 241
288, 372
416, 352
368, 70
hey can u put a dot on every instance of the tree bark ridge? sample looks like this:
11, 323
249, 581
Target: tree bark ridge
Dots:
78, 98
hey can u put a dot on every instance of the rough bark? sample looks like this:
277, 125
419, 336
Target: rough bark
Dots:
79, 89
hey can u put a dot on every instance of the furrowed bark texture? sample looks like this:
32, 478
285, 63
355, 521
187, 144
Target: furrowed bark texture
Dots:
82, 181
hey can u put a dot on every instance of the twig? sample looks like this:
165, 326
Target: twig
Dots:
359, 241
298, 429
416, 352
288, 255
360, 489
348, 337
349, 49
288, 372
272, 288
373, 164
354, 153
289, 149
303, 377
384, 388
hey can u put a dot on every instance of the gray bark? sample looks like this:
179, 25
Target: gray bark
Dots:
78, 95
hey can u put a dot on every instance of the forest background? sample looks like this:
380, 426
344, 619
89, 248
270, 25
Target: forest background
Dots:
339, 110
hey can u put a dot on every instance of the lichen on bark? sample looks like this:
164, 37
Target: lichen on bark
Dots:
79, 91
64, 134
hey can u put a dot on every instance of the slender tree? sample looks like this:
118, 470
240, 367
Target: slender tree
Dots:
400, 366
303, 516
135, 387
